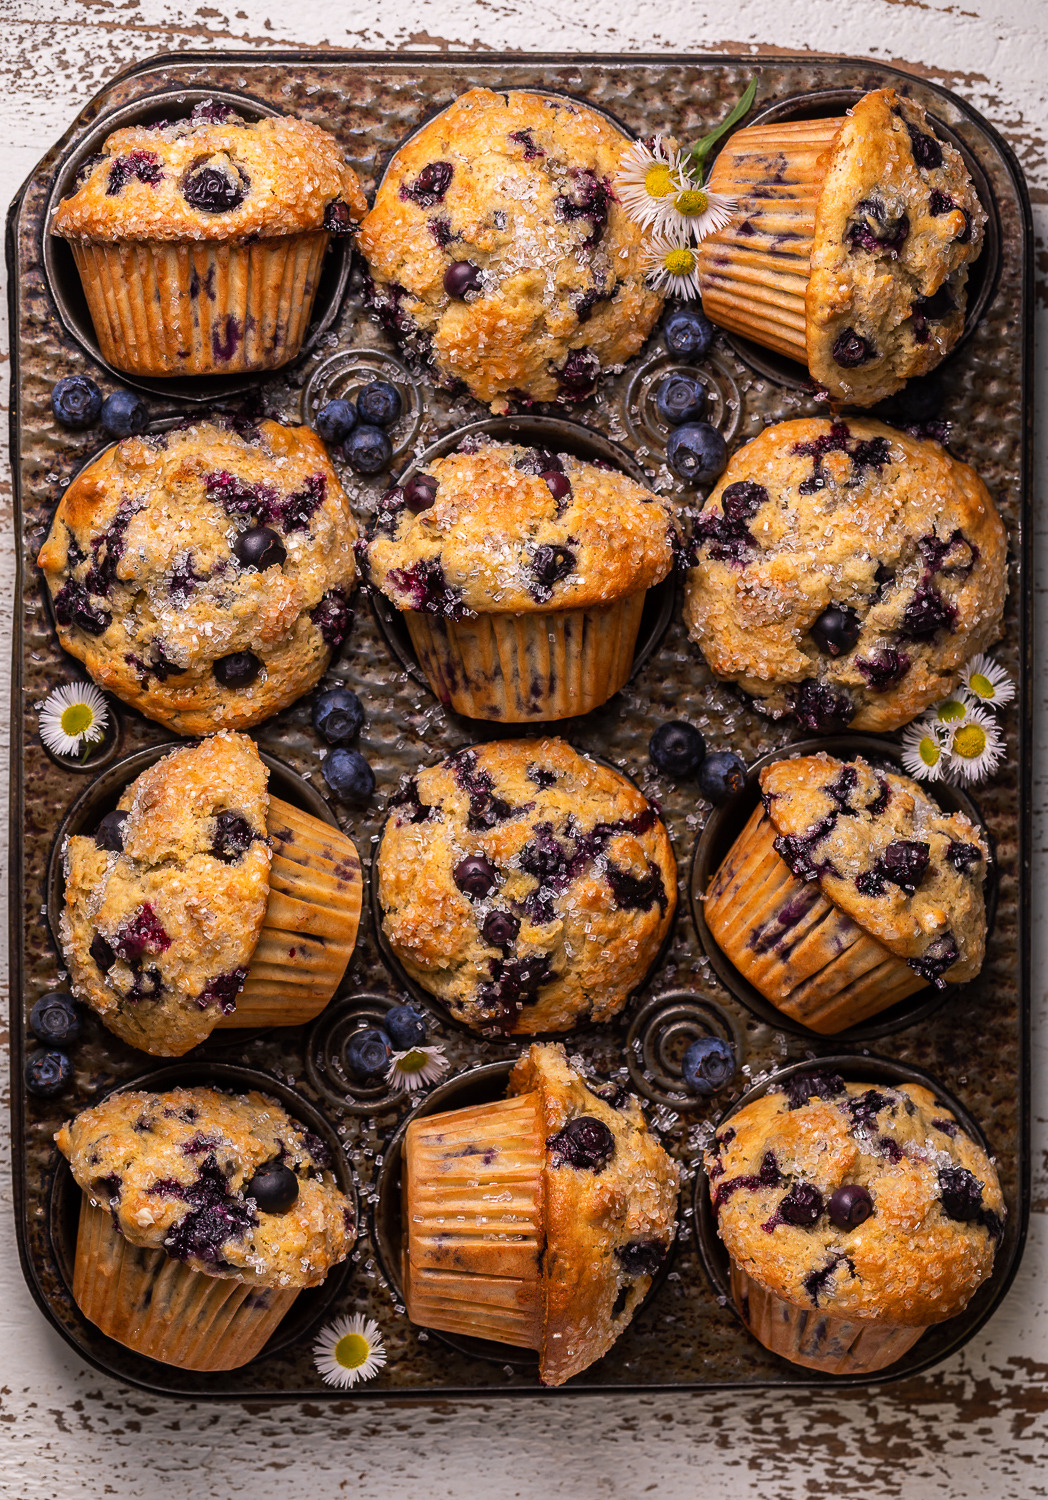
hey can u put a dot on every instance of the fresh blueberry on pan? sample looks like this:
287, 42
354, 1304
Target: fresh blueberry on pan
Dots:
348, 775
697, 453
721, 775
55, 1019
335, 420
680, 399
367, 449
124, 414
368, 1052
76, 402
406, 1027
47, 1074
687, 333
379, 403
677, 748
708, 1065
338, 715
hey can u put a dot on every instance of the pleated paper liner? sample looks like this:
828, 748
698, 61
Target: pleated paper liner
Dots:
474, 1211
800, 951
512, 668
164, 307
157, 1306
806, 1336
311, 923
753, 275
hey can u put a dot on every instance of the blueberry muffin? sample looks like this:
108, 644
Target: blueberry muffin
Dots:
202, 1218
199, 242
497, 249
203, 575
844, 573
851, 246
521, 575
848, 890
855, 1216
538, 1221
526, 887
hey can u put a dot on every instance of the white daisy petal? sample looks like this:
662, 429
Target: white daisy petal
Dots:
671, 264
416, 1067
987, 681
348, 1350
693, 213
647, 175
73, 716
950, 714
976, 746
923, 755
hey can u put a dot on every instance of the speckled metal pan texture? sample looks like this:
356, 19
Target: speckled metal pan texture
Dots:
974, 1044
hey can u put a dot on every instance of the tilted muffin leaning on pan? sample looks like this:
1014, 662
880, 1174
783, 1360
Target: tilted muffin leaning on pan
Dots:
200, 900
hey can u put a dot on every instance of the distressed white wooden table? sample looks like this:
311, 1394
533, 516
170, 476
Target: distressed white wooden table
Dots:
977, 1425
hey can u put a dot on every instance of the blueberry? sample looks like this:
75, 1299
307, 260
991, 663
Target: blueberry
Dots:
558, 484
802, 1205
500, 928
335, 420
420, 493
850, 1206
109, 834
836, 630
697, 453
677, 748
348, 775
338, 715
475, 876
461, 276
55, 1019
260, 547
274, 1188
123, 414
379, 403
367, 450
76, 402
680, 399
232, 837
850, 349
102, 953
641, 1257
238, 669
687, 333
585, 1143
368, 1052
708, 1065
47, 1073
214, 190
406, 1027
721, 775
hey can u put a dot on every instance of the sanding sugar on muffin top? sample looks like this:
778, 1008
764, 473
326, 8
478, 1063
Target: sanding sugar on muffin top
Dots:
497, 248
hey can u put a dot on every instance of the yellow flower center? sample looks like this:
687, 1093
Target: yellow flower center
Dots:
76, 720
981, 686
951, 711
352, 1351
929, 751
658, 183
969, 742
692, 201
412, 1062
680, 262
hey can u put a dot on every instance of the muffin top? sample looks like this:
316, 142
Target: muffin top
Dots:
506, 529
857, 1199
897, 224
525, 886
888, 856
164, 904
203, 574
610, 1210
176, 1171
845, 573
213, 176
514, 188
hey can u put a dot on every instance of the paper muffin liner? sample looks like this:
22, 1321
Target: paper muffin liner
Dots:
474, 1221
544, 665
806, 1336
159, 1307
753, 275
801, 952
168, 307
311, 922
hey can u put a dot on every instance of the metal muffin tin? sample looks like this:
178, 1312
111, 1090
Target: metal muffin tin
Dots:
975, 1046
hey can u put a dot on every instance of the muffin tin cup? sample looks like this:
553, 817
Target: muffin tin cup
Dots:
728, 822
850, 1350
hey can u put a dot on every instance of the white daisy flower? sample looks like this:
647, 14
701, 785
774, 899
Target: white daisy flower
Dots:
73, 718
694, 212
987, 681
647, 176
348, 1350
416, 1067
949, 715
976, 746
667, 260
922, 752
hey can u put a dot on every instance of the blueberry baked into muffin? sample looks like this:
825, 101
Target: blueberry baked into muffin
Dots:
521, 575
855, 1216
496, 248
539, 1220
844, 573
203, 1216
526, 887
204, 574
851, 246
848, 890
199, 886
199, 242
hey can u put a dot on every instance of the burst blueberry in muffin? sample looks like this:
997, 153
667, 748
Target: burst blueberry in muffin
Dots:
844, 573
203, 575
497, 249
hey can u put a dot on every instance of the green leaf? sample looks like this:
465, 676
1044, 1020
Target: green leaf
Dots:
701, 149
